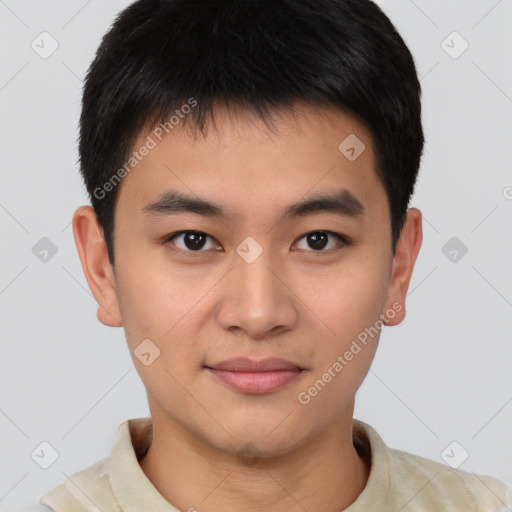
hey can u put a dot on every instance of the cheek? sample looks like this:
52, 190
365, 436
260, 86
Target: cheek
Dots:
161, 306
349, 303
346, 299
150, 293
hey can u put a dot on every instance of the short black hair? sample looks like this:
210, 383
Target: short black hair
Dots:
262, 55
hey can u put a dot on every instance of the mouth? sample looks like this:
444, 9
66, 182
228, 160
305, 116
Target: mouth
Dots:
255, 377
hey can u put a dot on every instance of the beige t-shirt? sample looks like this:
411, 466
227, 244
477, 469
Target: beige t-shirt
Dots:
398, 481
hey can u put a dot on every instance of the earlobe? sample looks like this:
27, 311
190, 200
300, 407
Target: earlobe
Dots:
407, 250
96, 265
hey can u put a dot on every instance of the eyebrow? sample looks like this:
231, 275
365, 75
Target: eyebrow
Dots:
171, 202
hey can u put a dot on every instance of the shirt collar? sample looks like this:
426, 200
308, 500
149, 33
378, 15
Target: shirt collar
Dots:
132, 488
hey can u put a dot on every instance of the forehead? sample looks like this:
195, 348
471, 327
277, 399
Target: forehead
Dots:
247, 165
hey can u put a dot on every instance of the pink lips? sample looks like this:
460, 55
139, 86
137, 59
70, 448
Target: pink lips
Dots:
256, 377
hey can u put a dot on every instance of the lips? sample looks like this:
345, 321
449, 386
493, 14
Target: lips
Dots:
243, 364
255, 377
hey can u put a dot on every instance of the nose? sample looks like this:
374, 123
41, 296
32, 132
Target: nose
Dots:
257, 301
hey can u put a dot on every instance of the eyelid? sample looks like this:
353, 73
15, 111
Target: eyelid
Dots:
345, 241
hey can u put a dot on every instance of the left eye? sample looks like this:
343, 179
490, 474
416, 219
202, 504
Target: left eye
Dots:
318, 240
195, 241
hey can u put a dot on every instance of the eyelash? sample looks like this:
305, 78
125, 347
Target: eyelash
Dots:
345, 241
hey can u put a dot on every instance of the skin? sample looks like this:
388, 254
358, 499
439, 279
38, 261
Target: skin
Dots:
293, 302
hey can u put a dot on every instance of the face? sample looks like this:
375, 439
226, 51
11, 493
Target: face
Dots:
238, 278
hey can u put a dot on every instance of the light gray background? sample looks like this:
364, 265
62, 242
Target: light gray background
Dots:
444, 375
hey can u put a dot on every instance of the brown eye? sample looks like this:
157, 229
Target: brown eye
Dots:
318, 240
190, 241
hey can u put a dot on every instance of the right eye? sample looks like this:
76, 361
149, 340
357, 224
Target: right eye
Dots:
189, 241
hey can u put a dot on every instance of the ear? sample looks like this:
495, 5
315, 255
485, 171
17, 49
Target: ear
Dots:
98, 271
408, 247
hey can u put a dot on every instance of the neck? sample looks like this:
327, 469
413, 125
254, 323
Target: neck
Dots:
193, 475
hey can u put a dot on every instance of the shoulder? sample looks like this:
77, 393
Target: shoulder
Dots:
87, 490
411, 483
437, 485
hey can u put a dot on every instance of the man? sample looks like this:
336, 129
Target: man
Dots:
250, 165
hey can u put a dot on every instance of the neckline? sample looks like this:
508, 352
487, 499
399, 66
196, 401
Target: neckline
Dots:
132, 487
